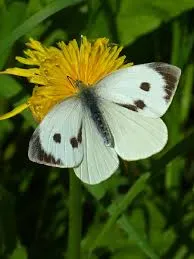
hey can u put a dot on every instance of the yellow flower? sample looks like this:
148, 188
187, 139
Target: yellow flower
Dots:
51, 70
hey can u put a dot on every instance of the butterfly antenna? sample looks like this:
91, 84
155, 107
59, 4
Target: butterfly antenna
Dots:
71, 81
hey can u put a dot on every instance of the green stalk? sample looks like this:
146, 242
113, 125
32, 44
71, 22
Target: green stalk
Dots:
75, 217
173, 172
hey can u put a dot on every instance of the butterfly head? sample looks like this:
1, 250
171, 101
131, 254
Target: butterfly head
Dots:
78, 84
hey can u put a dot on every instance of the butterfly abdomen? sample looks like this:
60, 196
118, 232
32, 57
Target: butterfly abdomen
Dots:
91, 101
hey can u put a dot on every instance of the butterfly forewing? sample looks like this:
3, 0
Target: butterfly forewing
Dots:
146, 89
58, 139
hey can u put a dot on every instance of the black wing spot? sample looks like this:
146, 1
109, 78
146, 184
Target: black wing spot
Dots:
79, 137
140, 104
145, 86
129, 107
57, 137
74, 142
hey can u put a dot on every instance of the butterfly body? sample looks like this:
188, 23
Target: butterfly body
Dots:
118, 116
91, 101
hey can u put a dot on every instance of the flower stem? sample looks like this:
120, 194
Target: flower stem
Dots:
75, 216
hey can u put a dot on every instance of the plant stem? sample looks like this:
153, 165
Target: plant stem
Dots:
75, 216
174, 168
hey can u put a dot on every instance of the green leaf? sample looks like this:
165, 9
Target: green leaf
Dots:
19, 253
98, 21
9, 87
99, 190
33, 21
139, 239
182, 147
136, 18
11, 17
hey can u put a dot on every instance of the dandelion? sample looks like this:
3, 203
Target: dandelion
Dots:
51, 68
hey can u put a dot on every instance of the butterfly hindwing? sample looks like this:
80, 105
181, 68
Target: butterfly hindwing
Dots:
58, 139
135, 136
147, 89
100, 161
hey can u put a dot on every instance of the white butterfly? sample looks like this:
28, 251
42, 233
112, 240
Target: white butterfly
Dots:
118, 116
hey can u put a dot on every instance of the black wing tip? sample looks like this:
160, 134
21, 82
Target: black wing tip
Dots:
37, 154
165, 67
171, 75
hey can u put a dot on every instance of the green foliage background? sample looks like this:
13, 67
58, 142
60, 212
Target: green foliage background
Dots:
146, 210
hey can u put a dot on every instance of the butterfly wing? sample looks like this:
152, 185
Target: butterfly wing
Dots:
58, 139
147, 89
99, 161
135, 136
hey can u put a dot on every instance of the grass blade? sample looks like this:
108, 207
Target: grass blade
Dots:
33, 21
127, 200
140, 240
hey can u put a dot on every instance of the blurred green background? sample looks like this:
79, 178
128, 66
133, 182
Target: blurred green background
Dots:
122, 218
